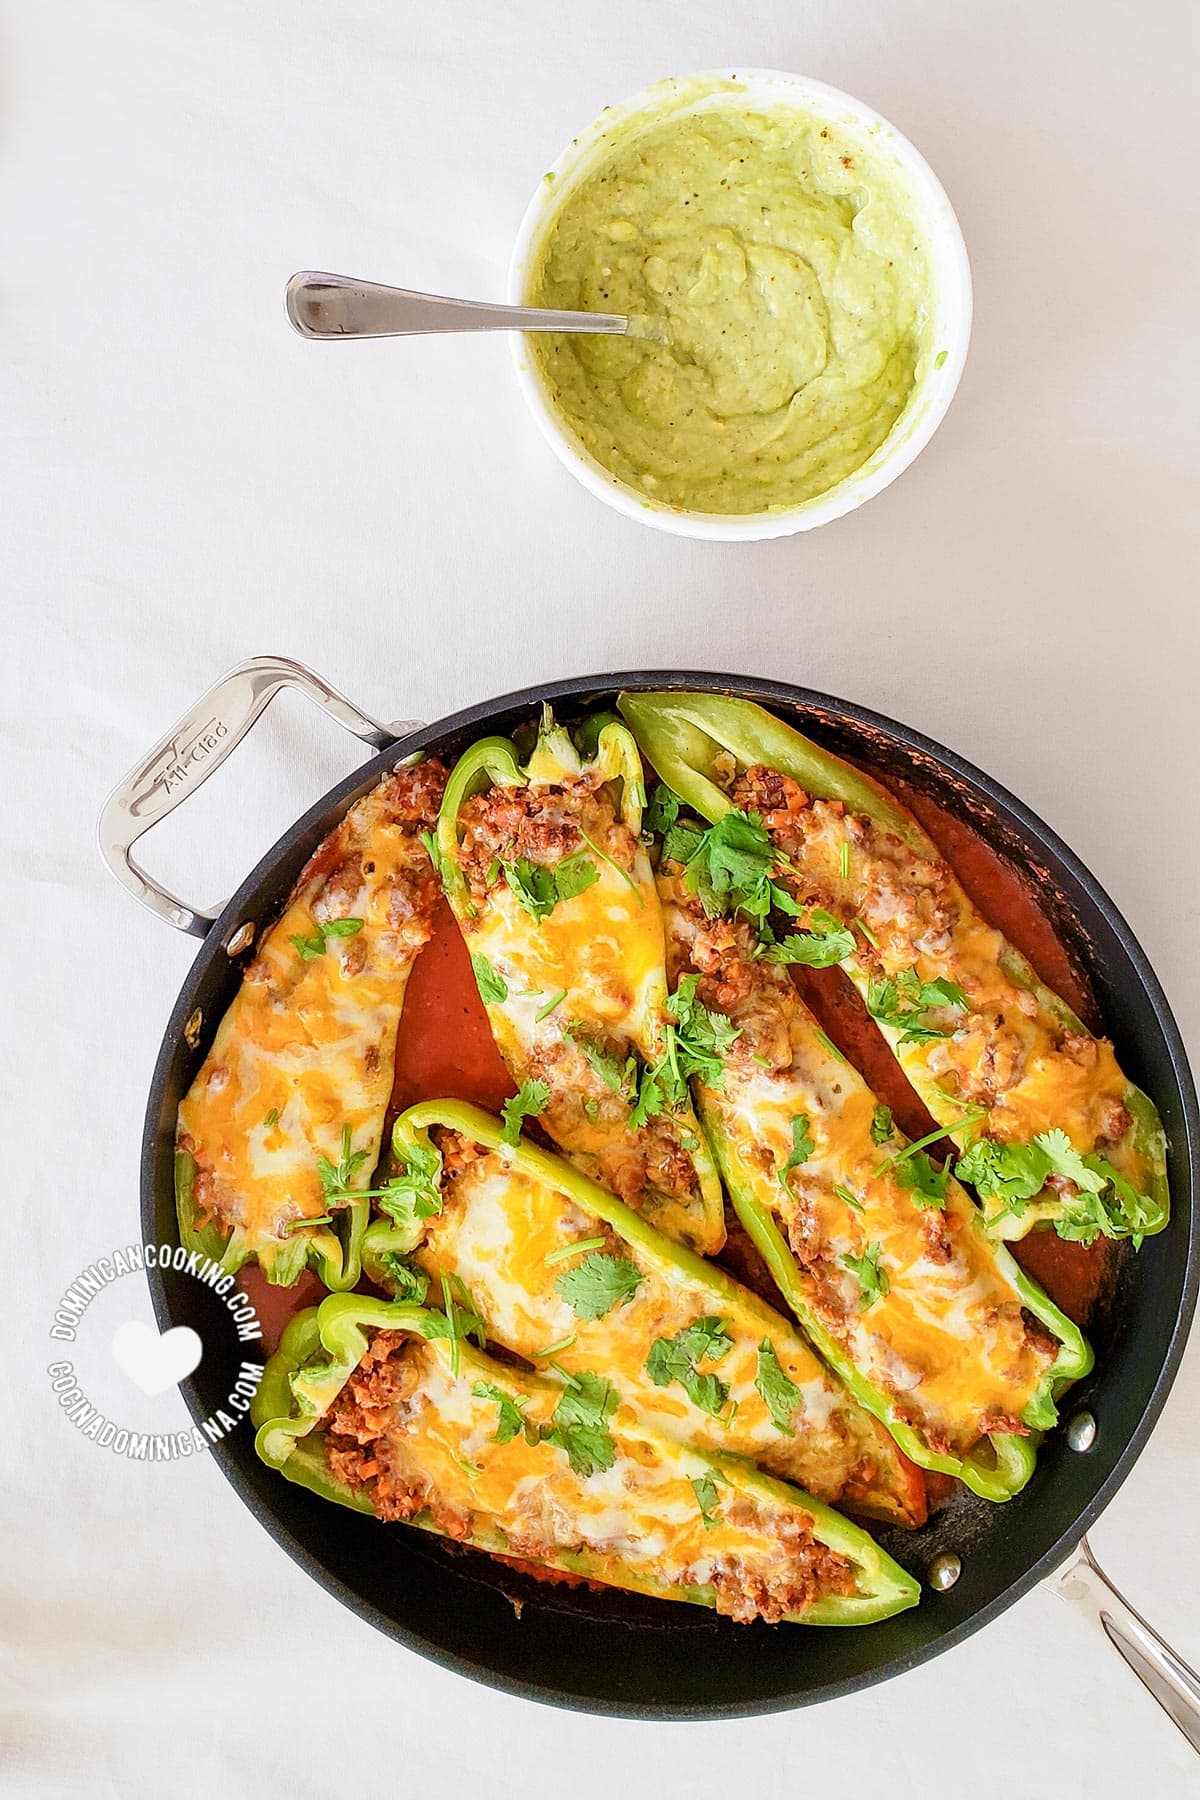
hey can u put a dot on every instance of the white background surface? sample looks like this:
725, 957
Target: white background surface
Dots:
187, 483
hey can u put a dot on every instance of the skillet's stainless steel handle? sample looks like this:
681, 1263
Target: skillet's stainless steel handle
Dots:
192, 749
1174, 1685
338, 306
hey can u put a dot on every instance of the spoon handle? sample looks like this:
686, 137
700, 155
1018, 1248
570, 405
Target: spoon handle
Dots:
335, 306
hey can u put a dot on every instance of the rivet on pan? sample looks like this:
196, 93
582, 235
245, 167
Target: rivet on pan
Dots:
241, 940
1081, 1432
944, 1570
191, 1031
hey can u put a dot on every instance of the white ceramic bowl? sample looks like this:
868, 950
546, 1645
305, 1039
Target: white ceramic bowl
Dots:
949, 280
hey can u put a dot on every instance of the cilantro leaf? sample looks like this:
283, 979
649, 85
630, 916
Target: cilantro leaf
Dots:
882, 1126
781, 1395
662, 811
676, 1358
922, 1178
872, 1280
578, 1423
312, 947
510, 1422
820, 946
802, 1147
539, 888
598, 1283
493, 989
529, 1100
681, 842
705, 1489
1067, 1162
620, 1076
574, 875
1013, 1173
903, 1003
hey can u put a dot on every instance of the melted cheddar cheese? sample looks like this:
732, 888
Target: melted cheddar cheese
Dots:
300, 1068
635, 1524
584, 983
918, 1299
1017, 1052
508, 1238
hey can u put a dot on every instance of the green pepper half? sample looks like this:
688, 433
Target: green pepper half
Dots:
569, 958
670, 1521
523, 1228
699, 743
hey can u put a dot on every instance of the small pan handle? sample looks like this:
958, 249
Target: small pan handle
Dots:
1174, 1685
189, 753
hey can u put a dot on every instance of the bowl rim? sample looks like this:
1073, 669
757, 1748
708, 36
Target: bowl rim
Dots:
950, 283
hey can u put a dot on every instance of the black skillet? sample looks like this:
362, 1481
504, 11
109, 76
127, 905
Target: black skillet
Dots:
615, 1653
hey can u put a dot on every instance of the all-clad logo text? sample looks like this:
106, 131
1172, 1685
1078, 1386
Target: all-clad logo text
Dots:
180, 759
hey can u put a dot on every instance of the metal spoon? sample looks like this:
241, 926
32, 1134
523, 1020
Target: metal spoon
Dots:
336, 306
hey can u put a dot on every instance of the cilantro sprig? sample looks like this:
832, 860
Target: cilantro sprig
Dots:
598, 1283
677, 1359
538, 887
1103, 1204
903, 1002
529, 1100
730, 867
510, 1413
803, 1145
695, 1042
312, 947
780, 1394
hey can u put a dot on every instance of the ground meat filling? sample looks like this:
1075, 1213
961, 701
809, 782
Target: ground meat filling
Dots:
762, 1001
364, 1436
362, 1430
545, 824
913, 905
809, 1571
542, 823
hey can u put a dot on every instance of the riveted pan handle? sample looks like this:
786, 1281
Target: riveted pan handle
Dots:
1174, 1685
189, 753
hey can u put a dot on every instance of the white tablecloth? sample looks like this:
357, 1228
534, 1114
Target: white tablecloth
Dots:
188, 483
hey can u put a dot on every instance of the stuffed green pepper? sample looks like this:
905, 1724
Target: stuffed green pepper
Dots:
1051, 1129
568, 1277
280, 1131
884, 1259
544, 868
385, 1408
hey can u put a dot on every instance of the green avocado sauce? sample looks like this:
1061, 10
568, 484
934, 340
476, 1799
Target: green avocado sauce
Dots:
778, 257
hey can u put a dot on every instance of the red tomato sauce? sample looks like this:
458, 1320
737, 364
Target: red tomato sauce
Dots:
445, 1049
276, 1305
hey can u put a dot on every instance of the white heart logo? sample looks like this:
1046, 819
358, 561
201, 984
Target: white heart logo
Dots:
155, 1363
